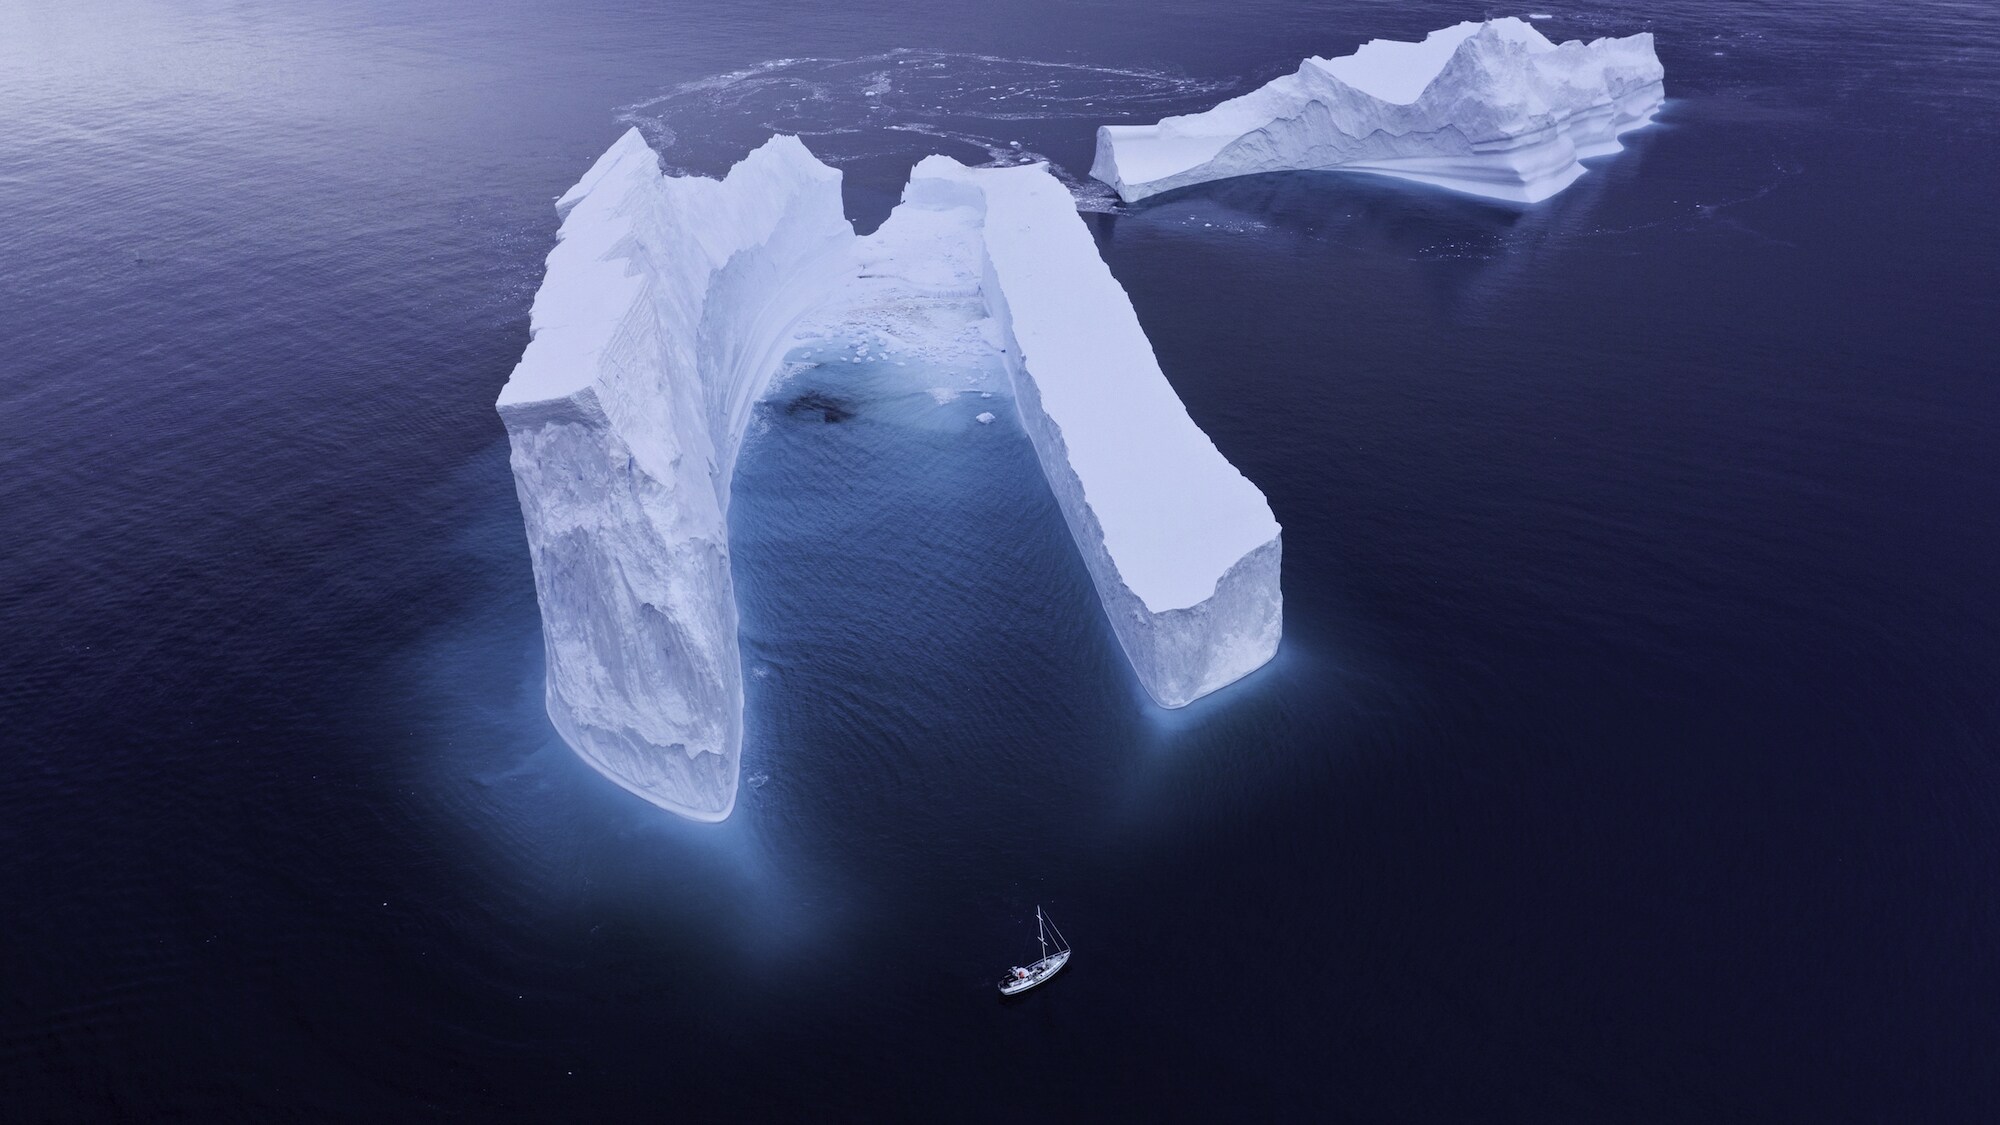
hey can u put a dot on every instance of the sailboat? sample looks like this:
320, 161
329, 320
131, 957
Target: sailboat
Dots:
1019, 979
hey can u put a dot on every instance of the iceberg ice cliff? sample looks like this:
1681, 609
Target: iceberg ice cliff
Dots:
1183, 549
657, 324
1493, 109
668, 307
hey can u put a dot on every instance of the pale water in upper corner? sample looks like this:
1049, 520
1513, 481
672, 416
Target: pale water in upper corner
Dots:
1633, 753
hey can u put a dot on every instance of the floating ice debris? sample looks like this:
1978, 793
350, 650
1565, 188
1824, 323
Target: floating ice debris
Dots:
984, 417
1492, 109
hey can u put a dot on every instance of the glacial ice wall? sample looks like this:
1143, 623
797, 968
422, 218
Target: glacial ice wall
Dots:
669, 305
1182, 548
657, 326
1492, 109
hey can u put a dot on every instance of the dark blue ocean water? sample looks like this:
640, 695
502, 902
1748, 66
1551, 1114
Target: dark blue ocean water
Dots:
1633, 754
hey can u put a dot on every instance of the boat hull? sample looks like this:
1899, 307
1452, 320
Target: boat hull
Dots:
1038, 972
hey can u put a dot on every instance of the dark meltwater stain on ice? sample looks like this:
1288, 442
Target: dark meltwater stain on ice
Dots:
826, 407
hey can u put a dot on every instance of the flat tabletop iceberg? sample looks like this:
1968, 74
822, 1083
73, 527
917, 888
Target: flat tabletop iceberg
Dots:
1493, 109
669, 306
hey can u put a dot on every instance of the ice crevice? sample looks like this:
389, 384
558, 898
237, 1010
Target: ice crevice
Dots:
670, 304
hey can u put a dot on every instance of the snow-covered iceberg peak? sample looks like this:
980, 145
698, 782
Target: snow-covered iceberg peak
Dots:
1493, 109
669, 305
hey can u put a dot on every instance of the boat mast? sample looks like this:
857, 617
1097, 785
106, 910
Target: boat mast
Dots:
1041, 933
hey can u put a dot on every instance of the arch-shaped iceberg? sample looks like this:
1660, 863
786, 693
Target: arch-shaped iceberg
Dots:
667, 308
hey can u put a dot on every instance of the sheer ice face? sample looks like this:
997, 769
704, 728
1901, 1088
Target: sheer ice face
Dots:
1493, 109
659, 320
669, 305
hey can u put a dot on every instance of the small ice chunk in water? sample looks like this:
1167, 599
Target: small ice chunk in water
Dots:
984, 418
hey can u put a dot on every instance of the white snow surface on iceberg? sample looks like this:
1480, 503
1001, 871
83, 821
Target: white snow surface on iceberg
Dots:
1493, 109
1182, 547
668, 306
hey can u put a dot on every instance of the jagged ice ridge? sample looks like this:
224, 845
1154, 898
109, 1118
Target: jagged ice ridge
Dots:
1493, 109
668, 307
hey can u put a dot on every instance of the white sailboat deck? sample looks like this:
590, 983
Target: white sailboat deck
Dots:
1022, 978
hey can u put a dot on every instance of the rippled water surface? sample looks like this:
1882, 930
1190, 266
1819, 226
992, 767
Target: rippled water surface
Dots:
1633, 753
